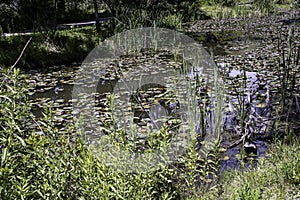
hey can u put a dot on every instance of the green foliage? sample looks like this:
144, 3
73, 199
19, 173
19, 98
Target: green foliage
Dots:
219, 11
37, 15
64, 47
265, 6
243, 8
247, 192
37, 161
224, 3
290, 166
290, 57
42, 163
131, 14
15, 115
172, 21
227, 3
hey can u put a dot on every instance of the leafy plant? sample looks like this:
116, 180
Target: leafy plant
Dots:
265, 6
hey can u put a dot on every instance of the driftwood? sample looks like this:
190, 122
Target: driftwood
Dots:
242, 139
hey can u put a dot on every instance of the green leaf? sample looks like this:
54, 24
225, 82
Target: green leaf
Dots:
17, 127
5, 97
21, 140
10, 88
4, 155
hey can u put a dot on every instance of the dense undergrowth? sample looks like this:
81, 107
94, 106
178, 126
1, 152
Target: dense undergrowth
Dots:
275, 177
61, 47
39, 162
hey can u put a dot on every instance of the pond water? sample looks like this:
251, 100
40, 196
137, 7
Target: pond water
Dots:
55, 87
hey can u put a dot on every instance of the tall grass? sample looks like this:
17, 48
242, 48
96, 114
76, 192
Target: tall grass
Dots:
218, 11
288, 72
161, 14
244, 9
265, 6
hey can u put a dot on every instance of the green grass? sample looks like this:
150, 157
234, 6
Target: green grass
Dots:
224, 12
277, 176
244, 9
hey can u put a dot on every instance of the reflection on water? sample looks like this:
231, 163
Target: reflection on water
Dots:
47, 89
60, 93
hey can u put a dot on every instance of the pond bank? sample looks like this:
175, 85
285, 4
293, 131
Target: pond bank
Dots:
47, 49
73, 45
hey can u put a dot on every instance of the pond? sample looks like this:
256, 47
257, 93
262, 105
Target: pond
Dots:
250, 67
56, 85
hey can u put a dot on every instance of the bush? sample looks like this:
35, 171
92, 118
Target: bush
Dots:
63, 47
38, 161
43, 163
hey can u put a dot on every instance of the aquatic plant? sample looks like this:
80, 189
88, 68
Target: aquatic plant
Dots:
288, 71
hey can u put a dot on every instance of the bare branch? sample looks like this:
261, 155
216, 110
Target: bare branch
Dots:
20, 56
22, 52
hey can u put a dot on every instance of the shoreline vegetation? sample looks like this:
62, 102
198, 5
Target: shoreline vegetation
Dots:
38, 161
55, 47
63, 48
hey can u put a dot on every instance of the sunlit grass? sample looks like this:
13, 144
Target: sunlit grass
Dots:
223, 12
277, 176
244, 9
